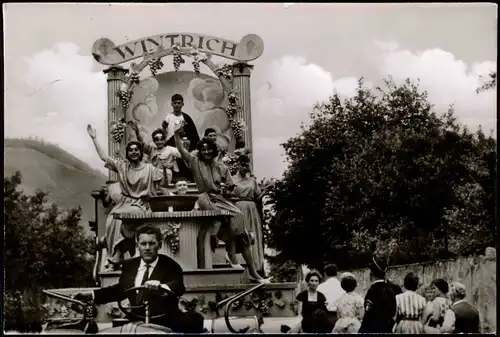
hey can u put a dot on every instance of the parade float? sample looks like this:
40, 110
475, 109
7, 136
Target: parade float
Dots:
139, 92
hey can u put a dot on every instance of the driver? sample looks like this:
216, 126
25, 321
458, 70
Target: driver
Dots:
165, 276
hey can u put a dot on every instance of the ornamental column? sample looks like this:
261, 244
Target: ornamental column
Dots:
241, 82
116, 76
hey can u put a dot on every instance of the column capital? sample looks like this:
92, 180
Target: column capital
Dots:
115, 72
242, 69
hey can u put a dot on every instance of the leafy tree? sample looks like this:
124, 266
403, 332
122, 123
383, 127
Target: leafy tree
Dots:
489, 84
45, 247
381, 172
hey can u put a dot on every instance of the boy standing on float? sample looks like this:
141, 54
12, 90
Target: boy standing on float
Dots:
189, 131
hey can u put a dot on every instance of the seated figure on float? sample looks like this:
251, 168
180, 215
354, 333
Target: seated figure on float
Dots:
137, 181
215, 185
212, 134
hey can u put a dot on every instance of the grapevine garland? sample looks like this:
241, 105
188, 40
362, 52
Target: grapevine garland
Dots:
226, 71
58, 309
171, 236
261, 302
238, 125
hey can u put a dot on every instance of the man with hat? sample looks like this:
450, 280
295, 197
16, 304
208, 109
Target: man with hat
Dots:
380, 301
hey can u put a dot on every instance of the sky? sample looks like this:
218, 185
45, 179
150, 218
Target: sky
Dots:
54, 87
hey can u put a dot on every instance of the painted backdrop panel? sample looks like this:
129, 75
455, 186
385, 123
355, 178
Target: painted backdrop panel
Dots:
204, 102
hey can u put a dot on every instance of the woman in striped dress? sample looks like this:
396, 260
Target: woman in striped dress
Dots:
410, 307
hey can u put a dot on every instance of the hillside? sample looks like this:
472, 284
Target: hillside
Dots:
66, 179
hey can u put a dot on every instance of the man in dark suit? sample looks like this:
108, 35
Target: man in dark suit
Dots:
380, 301
157, 272
466, 315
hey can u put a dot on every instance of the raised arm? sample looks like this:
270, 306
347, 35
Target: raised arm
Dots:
135, 127
180, 146
92, 133
147, 149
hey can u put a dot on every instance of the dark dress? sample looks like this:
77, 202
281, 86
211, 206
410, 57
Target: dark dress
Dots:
380, 308
310, 314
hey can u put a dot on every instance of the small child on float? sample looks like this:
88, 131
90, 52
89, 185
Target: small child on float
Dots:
159, 154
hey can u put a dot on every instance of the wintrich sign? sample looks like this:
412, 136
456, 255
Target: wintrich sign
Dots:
249, 48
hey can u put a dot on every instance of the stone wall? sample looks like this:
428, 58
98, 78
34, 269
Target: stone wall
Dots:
477, 273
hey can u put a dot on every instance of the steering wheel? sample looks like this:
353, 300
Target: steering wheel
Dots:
128, 311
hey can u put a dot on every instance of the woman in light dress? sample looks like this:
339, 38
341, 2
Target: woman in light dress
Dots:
214, 183
350, 307
247, 225
137, 181
437, 315
410, 307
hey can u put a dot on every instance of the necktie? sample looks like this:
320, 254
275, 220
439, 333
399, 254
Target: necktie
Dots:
145, 277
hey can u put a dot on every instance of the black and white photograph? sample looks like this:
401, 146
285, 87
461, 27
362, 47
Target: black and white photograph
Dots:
250, 168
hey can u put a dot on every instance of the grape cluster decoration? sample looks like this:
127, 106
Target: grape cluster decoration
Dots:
134, 78
197, 58
118, 130
237, 304
225, 70
189, 305
231, 162
239, 126
155, 65
171, 235
232, 107
178, 60
124, 95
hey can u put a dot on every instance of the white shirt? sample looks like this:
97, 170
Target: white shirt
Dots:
333, 292
142, 270
172, 120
